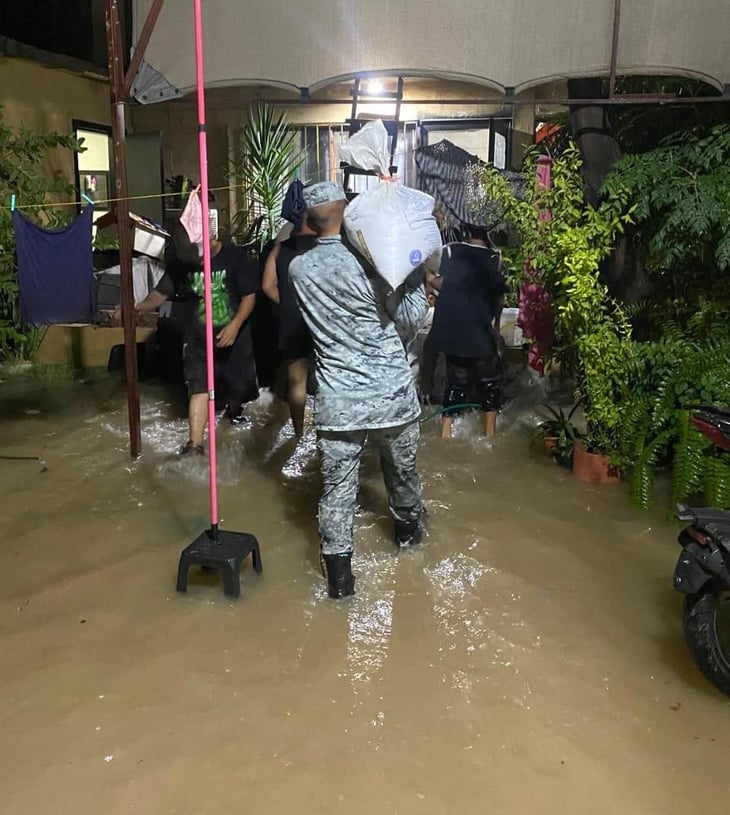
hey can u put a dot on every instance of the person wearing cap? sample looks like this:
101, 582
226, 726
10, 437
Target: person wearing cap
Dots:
360, 328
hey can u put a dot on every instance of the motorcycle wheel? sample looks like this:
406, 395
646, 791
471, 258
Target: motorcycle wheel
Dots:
707, 632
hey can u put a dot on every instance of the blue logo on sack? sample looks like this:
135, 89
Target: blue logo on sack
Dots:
415, 257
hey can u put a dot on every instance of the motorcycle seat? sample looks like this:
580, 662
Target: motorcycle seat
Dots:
718, 417
719, 413
714, 521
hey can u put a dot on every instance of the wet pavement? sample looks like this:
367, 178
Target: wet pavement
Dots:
529, 657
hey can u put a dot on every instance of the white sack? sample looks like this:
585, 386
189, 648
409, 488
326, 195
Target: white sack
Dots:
392, 225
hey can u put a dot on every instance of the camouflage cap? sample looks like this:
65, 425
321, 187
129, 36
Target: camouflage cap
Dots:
326, 192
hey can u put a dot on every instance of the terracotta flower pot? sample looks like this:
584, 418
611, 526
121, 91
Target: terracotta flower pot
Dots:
593, 467
549, 443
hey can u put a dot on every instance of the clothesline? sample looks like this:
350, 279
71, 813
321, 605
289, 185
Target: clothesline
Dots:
49, 205
97, 203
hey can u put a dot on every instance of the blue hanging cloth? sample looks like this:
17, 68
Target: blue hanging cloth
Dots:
55, 271
293, 208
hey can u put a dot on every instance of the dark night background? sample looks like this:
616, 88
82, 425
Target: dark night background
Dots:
72, 28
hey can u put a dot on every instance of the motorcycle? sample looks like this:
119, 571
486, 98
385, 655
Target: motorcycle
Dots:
702, 572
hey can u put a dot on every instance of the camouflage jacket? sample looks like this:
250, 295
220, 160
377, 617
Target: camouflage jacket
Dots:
360, 327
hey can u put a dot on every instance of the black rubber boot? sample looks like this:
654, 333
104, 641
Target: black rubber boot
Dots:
408, 533
340, 579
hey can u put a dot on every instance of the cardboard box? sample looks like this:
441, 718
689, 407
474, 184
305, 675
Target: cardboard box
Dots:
147, 238
83, 346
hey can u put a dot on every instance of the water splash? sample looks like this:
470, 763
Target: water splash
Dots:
304, 458
370, 615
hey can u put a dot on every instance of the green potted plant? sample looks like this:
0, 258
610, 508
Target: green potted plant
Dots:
563, 240
594, 468
559, 434
604, 353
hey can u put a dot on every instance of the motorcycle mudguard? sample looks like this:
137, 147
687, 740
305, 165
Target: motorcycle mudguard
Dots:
689, 576
697, 564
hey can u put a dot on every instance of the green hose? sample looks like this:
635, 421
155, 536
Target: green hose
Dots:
447, 409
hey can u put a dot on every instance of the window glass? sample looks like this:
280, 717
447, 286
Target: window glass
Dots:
94, 168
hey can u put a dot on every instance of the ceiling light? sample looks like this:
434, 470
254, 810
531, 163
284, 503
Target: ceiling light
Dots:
375, 87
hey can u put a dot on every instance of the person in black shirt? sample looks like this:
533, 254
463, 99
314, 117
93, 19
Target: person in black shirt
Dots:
235, 281
465, 327
295, 341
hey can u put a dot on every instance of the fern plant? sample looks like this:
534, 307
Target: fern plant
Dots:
688, 463
717, 481
636, 393
663, 380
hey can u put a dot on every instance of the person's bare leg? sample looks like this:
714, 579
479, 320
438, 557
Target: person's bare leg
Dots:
297, 393
197, 417
490, 423
447, 424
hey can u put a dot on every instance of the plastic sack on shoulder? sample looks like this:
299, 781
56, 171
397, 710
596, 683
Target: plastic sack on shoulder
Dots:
391, 225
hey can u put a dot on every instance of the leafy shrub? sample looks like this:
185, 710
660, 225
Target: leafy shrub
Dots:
22, 155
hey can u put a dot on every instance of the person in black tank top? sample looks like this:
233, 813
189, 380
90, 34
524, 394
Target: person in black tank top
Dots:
465, 328
295, 341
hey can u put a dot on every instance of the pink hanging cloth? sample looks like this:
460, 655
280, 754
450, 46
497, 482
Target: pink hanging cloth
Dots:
192, 217
535, 316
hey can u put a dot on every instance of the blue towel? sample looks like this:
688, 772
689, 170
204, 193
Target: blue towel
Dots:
55, 271
293, 208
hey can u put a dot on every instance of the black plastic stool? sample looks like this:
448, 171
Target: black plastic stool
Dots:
221, 550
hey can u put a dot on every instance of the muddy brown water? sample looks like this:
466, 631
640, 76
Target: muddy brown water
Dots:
528, 657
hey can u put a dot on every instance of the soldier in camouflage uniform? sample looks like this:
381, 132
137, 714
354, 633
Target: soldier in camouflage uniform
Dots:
364, 384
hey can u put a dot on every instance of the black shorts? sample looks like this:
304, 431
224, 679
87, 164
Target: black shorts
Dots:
234, 367
296, 344
472, 380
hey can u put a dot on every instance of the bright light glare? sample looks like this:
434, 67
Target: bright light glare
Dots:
375, 87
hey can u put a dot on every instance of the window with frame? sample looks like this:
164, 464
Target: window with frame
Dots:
93, 165
321, 145
487, 139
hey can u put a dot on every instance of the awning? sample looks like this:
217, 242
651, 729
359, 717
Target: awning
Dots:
507, 44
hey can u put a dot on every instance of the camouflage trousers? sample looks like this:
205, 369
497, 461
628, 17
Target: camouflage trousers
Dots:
340, 453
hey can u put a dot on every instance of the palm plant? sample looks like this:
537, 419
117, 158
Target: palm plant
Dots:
268, 160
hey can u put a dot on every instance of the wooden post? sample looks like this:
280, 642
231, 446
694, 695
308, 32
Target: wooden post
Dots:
614, 49
142, 42
124, 226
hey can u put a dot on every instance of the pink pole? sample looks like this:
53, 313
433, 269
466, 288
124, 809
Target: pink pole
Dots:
203, 151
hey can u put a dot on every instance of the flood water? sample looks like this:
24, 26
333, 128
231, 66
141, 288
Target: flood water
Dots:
527, 658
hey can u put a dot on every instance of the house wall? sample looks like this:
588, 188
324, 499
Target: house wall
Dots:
35, 95
179, 127
226, 112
